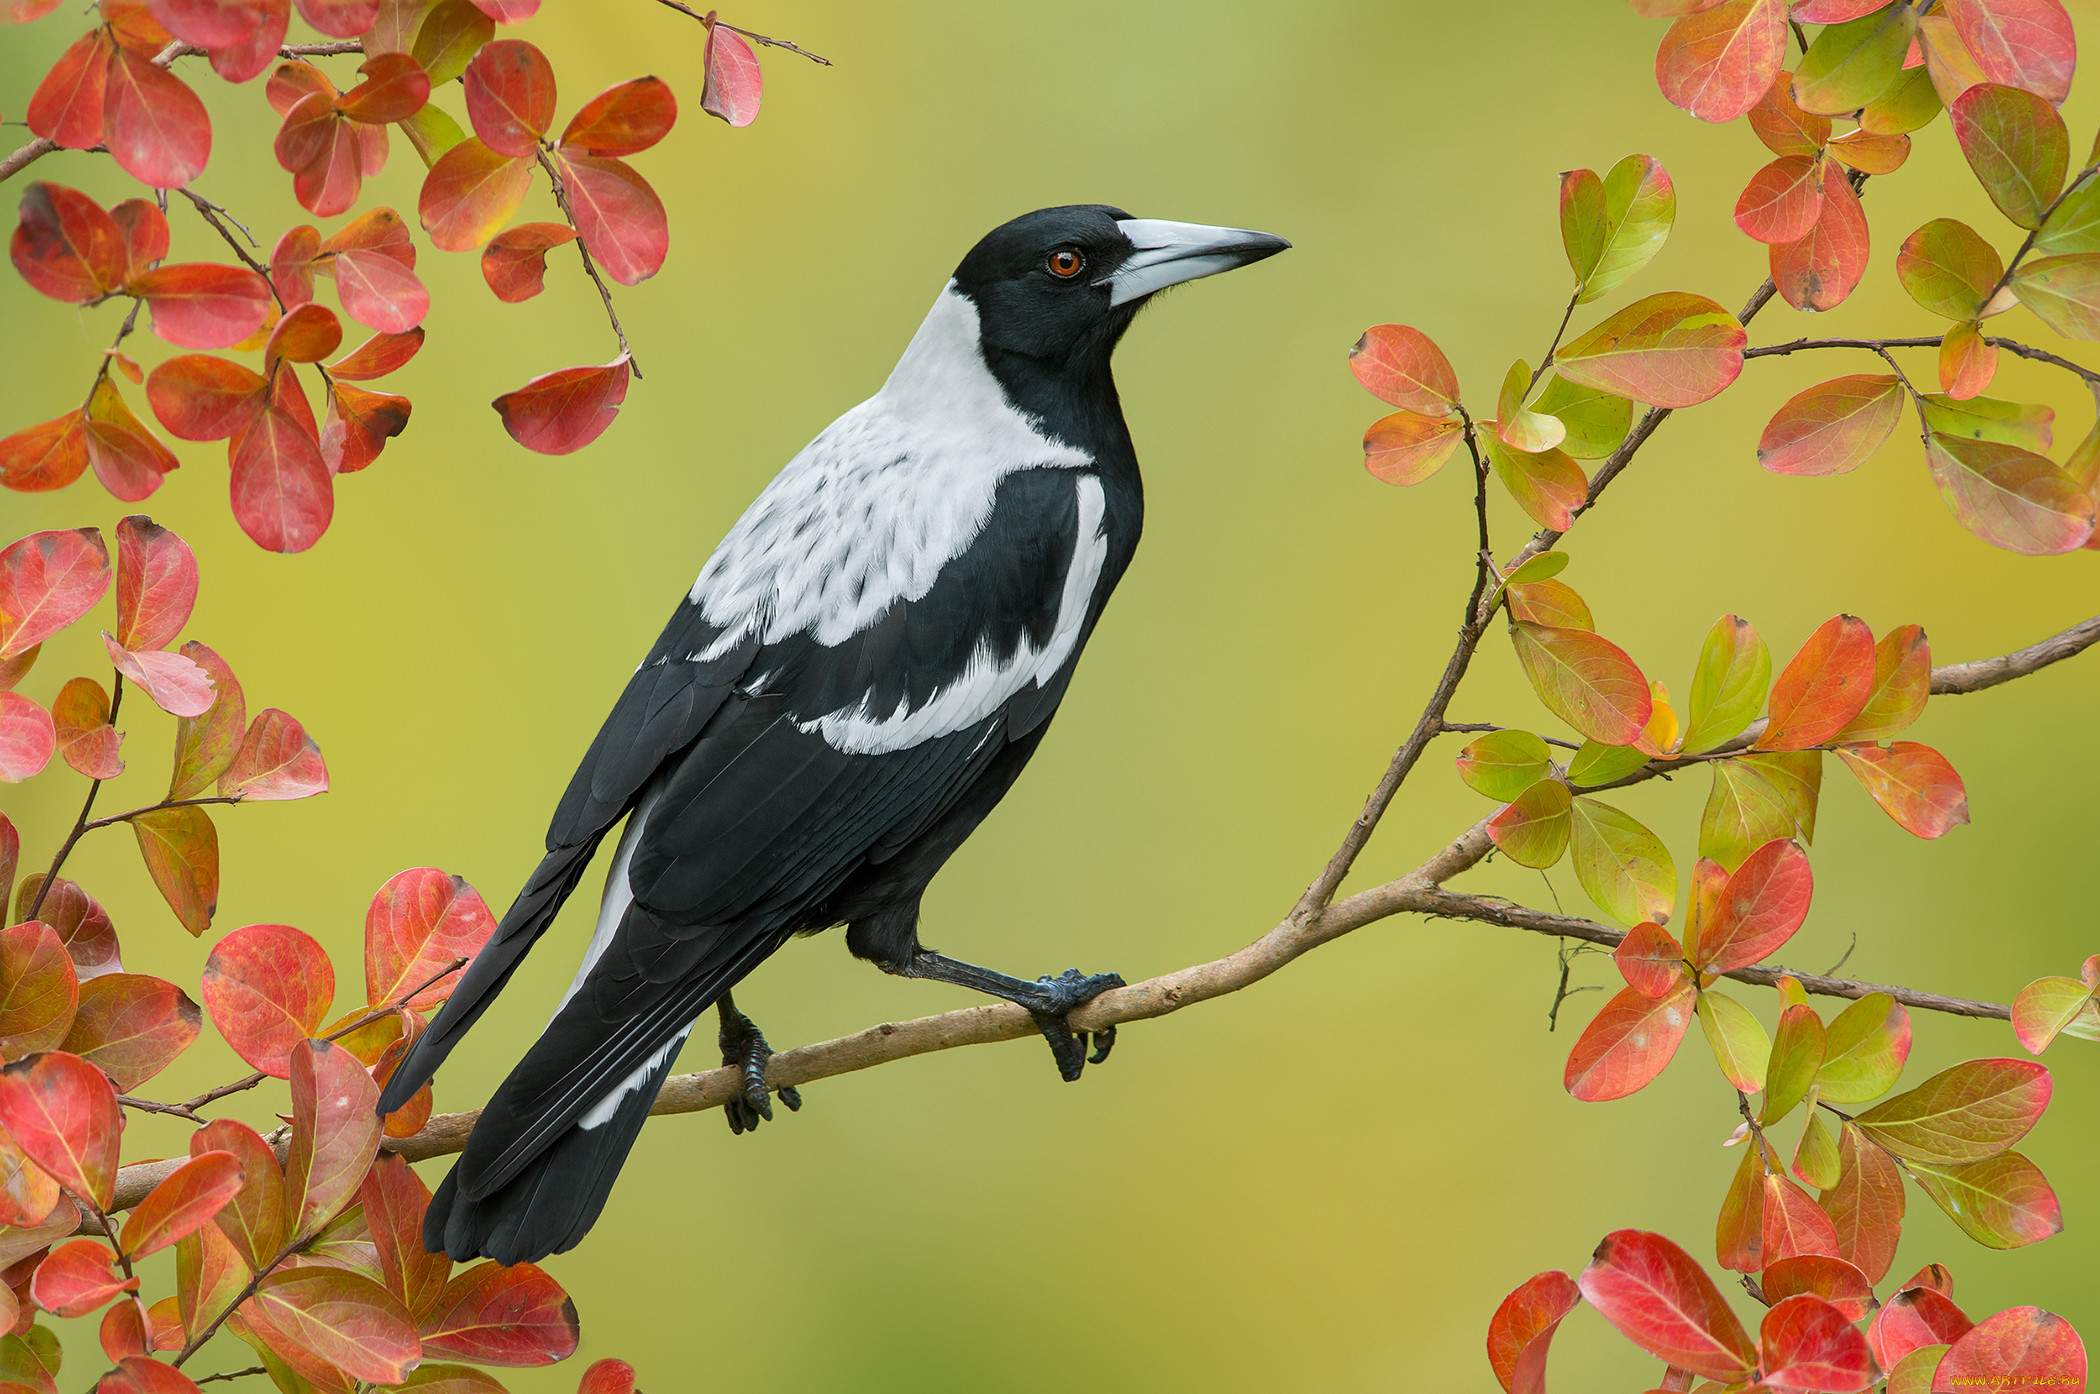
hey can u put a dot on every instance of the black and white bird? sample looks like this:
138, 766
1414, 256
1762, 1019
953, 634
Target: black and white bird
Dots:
857, 677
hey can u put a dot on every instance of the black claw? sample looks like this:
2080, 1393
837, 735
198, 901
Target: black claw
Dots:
791, 1096
1059, 997
744, 1048
1104, 1042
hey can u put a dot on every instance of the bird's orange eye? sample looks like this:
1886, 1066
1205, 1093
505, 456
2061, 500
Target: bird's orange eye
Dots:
1066, 262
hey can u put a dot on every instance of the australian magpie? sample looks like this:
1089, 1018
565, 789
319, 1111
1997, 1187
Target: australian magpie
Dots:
859, 674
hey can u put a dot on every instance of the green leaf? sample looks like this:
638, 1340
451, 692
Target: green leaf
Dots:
2075, 225
1911, 105
1902, 683
1582, 221
1549, 602
1640, 206
1503, 764
1623, 867
2002, 1203
1533, 830
1949, 269
1986, 418
1729, 686
1669, 350
1596, 421
1864, 1050
1548, 485
1855, 63
1520, 429
1975, 1110
432, 132
1739, 1042
2045, 1007
2063, 292
1543, 567
1597, 763
1585, 680
1797, 1053
2017, 145
1816, 1155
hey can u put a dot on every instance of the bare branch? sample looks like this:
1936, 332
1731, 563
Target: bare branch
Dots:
710, 21
2012, 346
1978, 674
590, 268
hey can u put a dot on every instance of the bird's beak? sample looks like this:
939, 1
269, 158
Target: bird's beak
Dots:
1170, 253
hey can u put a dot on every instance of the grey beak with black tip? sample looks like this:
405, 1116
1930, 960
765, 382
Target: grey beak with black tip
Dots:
1169, 253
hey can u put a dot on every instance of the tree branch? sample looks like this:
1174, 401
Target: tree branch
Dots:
1419, 892
590, 268
2012, 346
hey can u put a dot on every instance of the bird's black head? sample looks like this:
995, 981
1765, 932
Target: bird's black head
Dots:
1060, 285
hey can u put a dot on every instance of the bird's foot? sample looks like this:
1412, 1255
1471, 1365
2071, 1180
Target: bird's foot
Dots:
744, 1049
1055, 1000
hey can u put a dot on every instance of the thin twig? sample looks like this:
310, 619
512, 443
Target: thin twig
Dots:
590, 268
710, 21
212, 213
235, 1374
2012, 346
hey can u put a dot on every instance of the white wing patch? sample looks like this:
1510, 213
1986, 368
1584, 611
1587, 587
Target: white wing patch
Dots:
986, 682
602, 1112
872, 509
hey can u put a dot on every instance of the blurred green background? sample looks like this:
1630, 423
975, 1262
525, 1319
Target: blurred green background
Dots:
1327, 1182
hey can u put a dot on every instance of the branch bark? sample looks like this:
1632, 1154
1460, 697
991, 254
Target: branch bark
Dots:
1420, 892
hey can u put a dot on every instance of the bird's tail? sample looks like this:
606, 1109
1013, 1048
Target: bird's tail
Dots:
554, 1200
527, 919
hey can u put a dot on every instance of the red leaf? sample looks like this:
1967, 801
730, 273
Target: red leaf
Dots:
1628, 1043
210, 23
1823, 687
1668, 350
46, 456
140, 1374
1914, 785
62, 1112
395, 1200
38, 989
1401, 366
48, 580
618, 215
379, 292
282, 496
81, 925
1762, 905
291, 265
209, 1274
80, 717
1586, 681
1819, 271
292, 82
563, 411
497, 1315
67, 106
421, 920
324, 1319
359, 425
1650, 960
132, 1027
1866, 1205
204, 305
1914, 1318
1718, 62
308, 334
611, 1376
2020, 1347
623, 119
395, 88
1405, 448
253, 1220
78, 1278
326, 156
510, 96
206, 745
2009, 496
515, 263
186, 1201
128, 458
376, 357
1794, 1223
277, 760
2021, 43
247, 58
27, 738
508, 11
734, 85
66, 246
157, 129
1518, 1334
173, 683
156, 584
1809, 1344
267, 988
181, 851
469, 193
1663, 1302
1832, 1279
1782, 201
123, 1332
335, 1134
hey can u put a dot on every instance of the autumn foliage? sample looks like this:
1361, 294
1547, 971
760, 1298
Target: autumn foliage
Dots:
305, 1241
1809, 1220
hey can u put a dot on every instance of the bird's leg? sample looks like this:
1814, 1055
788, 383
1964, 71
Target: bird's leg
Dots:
1047, 999
744, 1048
